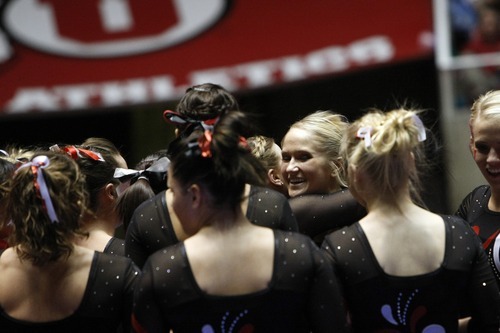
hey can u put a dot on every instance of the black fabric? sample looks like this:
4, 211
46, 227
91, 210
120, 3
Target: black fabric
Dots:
485, 222
320, 214
105, 307
301, 296
379, 302
115, 246
150, 228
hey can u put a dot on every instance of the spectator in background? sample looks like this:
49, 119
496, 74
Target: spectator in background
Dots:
485, 39
463, 18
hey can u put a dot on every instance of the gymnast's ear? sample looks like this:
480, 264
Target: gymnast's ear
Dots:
274, 178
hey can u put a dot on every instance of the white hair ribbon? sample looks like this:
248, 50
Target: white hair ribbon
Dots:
41, 162
421, 128
161, 165
365, 134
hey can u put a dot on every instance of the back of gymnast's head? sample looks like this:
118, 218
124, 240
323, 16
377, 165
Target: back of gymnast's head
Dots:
219, 161
37, 236
206, 101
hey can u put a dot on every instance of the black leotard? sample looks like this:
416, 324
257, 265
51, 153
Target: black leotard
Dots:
106, 304
115, 246
320, 214
378, 302
486, 223
150, 228
301, 296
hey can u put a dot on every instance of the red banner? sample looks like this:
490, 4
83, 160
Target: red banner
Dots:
60, 55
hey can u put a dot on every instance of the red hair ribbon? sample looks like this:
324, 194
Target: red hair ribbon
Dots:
204, 142
209, 124
76, 153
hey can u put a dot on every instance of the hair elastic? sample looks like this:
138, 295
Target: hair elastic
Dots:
365, 133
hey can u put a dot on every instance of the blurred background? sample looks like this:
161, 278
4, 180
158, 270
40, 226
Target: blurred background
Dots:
108, 68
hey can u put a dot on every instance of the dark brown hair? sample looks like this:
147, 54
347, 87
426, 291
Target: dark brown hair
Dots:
206, 101
230, 165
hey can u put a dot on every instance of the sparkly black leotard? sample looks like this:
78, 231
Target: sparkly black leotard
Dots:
115, 246
150, 228
486, 223
378, 302
301, 296
106, 304
320, 214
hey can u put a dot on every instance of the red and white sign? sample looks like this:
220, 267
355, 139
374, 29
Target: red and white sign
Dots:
59, 55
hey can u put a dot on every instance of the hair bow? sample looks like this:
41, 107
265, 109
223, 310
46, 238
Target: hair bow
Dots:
422, 136
159, 166
76, 153
42, 162
178, 119
365, 133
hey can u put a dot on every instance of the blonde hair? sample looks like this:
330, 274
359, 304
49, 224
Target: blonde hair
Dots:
262, 148
386, 147
327, 129
486, 106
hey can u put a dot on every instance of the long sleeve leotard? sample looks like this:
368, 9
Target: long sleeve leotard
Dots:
151, 229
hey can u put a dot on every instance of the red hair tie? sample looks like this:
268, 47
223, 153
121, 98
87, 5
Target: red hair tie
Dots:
76, 153
244, 143
204, 142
